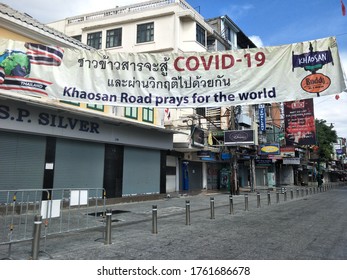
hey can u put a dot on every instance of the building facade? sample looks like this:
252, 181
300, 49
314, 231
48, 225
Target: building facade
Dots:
47, 143
174, 26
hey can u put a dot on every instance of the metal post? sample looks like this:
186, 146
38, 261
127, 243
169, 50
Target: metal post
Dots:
246, 202
268, 198
297, 193
285, 195
258, 200
154, 219
187, 212
108, 238
231, 205
277, 197
302, 192
291, 194
36, 237
212, 207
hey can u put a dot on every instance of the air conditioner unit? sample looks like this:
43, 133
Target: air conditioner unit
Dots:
244, 120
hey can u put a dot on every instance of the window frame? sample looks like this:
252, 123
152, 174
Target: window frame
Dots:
148, 114
116, 43
200, 34
133, 114
145, 32
95, 107
92, 40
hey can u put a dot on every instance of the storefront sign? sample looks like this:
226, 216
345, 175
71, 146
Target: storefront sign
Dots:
263, 161
20, 117
269, 149
173, 79
292, 161
262, 117
299, 122
288, 151
239, 137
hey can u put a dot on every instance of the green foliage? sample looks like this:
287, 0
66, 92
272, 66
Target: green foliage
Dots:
325, 136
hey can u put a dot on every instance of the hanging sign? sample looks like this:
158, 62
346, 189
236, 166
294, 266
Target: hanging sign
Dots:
243, 76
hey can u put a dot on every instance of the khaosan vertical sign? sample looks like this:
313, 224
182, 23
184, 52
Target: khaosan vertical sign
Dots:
245, 76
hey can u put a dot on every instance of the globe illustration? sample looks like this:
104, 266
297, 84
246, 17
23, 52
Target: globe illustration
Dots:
15, 63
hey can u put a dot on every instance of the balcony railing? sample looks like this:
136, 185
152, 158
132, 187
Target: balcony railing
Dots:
127, 9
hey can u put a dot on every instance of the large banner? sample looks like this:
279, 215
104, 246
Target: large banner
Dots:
299, 122
245, 76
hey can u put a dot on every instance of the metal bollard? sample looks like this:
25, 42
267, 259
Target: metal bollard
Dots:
291, 194
212, 207
297, 193
108, 238
154, 219
302, 192
187, 212
36, 237
258, 200
285, 196
246, 202
277, 197
231, 205
268, 198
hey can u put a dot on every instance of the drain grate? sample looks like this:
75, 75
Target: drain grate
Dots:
114, 212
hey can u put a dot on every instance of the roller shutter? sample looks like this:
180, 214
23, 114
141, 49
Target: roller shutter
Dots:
78, 164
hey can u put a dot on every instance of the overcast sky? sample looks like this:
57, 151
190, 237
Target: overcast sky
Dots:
266, 22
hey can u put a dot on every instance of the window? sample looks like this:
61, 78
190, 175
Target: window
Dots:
145, 32
96, 107
114, 38
147, 114
94, 40
131, 112
78, 37
70, 102
200, 35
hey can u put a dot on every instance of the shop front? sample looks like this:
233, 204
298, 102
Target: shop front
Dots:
56, 147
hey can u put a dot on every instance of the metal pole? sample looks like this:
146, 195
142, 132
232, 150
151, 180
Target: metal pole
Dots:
108, 239
154, 219
291, 194
277, 197
258, 200
212, 207
187, 212
246, 202
297, 193
285, 195
268, 198
231, 205
36, 237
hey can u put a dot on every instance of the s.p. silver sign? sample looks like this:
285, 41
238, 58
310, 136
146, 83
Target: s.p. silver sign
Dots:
239, 137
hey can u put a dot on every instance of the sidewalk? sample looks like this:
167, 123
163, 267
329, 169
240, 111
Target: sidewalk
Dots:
307, 226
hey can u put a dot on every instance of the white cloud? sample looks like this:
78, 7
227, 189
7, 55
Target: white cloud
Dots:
257, 41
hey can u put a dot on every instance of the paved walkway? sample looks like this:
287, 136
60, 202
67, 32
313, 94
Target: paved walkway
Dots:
299, 225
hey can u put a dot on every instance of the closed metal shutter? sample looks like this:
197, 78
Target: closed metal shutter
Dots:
78, 164
141, 173
21, 161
